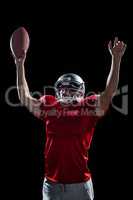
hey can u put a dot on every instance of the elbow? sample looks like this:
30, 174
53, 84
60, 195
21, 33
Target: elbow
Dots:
105, 101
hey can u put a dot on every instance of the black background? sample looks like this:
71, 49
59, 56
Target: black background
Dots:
54, 42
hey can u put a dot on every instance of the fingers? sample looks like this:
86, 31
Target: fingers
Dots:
124, 48
110, 45
119, 43
23, 56
116, 41
117, 48
20, 58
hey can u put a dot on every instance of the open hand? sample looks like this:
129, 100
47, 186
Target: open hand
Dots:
117, 49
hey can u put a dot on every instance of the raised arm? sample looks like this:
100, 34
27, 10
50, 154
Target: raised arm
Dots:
24, 95
116, 51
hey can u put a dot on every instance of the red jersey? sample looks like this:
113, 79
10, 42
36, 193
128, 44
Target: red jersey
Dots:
69, 131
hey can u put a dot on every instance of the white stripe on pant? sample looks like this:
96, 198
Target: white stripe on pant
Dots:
76, 191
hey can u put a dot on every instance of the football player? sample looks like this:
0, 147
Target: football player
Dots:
70, 119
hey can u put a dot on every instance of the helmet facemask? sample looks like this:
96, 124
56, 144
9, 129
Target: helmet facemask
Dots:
69, 95
69, 88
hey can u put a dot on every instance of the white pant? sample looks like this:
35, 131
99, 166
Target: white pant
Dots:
76, 191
